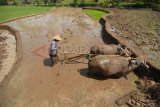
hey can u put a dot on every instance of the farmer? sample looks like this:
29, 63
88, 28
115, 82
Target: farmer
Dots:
53, 48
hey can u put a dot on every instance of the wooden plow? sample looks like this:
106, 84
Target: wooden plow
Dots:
73, 59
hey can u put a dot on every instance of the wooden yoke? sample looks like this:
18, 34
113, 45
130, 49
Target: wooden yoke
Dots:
125, 52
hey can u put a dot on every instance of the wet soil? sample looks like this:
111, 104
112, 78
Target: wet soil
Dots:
141, 28
7, 52
2, 48
147, 96
36, 84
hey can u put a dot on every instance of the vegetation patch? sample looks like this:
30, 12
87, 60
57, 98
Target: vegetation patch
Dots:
11, 12
94, 14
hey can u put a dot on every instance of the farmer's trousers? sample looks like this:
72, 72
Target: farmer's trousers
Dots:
53, 58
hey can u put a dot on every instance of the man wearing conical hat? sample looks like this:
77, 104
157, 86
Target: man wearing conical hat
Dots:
53, 48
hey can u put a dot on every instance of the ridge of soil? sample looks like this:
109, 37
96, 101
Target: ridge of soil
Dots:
11, 70
8, 54
2, 49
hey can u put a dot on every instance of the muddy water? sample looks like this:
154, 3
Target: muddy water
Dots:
36, 84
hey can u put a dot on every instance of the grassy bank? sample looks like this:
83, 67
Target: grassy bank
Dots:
11, 12
94, 14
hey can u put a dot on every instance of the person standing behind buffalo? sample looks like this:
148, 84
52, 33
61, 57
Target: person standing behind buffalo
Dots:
53, 48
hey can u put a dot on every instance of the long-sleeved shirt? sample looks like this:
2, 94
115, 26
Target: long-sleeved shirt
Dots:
53, 48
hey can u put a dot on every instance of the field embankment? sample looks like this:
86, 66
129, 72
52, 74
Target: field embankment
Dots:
11, 53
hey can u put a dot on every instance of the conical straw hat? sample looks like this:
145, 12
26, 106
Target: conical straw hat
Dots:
57, 37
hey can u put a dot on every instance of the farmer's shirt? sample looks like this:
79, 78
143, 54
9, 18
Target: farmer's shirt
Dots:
53, 48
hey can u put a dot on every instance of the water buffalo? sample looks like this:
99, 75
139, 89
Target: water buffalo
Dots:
110, 50
108, 65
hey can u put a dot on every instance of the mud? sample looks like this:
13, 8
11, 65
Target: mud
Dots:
15, 61
2, 49
36, 84
140, 30
147, 96
9, 55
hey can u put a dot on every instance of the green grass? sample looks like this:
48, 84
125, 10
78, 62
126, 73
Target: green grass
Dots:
94, 14
11, 12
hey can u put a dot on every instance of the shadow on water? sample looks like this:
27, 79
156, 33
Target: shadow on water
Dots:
47, 62
85, 72
107, 38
